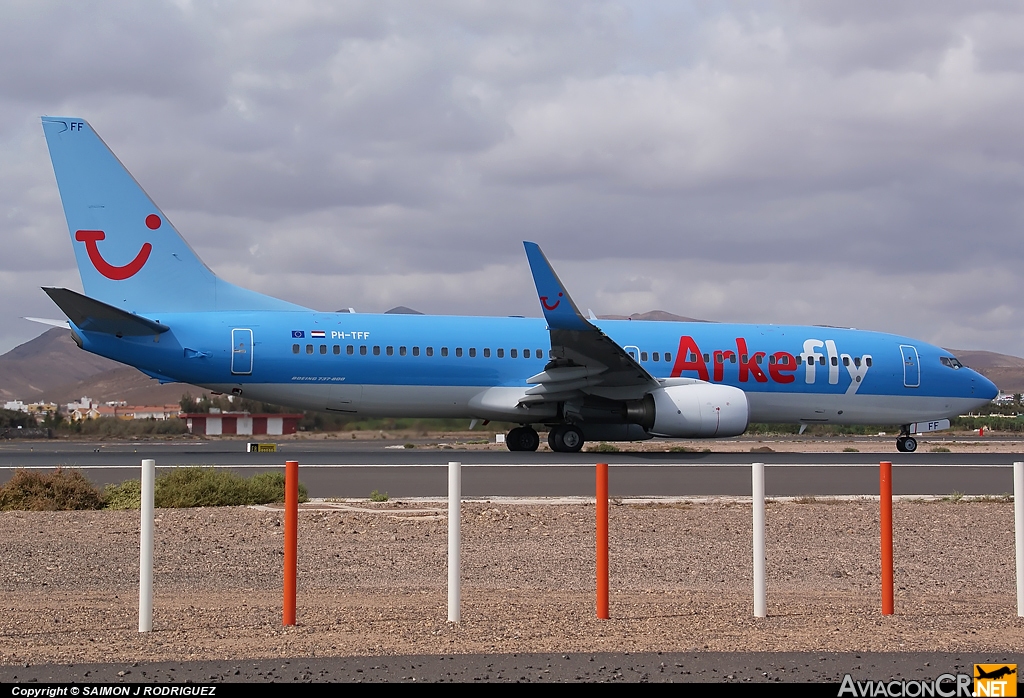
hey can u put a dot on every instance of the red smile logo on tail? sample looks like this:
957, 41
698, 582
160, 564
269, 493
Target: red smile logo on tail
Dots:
91, 237
544, 302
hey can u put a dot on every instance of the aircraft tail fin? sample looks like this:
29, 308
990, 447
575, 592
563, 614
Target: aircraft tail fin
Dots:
129, 255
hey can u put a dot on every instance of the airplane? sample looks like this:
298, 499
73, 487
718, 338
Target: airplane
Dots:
151, 303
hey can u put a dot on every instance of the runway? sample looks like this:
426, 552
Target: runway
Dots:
339, 469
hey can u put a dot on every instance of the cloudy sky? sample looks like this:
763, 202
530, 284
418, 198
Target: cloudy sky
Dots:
856, 164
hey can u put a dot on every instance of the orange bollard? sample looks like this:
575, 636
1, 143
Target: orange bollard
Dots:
291, 538
885, 516
602, 540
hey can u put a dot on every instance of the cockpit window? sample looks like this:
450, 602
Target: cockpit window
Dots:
950, 361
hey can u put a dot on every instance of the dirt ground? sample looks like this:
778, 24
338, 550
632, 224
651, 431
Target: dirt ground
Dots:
372, 580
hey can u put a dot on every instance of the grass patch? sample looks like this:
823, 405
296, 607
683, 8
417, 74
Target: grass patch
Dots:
940, 449
126, 495
955, 497
376, 496
850, 449
62, 490
409, 445
208, 487
603, 447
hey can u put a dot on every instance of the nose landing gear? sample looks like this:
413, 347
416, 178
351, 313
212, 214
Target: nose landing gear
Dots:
905, 443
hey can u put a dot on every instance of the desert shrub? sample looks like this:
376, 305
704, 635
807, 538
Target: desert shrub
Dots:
269, 487
61, 490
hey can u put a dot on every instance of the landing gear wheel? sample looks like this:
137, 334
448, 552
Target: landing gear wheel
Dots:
906, 444
566, 438
522, 439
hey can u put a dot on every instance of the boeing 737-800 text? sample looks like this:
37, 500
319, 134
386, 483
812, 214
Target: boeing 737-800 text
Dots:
150, 302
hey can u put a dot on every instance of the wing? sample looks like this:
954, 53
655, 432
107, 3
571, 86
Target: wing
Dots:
585, 361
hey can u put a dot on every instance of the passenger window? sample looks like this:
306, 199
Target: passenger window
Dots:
668, 356
415, 351
856, 361
472, 352
390, 351
444, 351
656, 356
458, 351
757, 358
539, 354
822, 361
430, 351
309, 348
350, 350
526, 353
487, 353
401, 351
362, 350
835, 360
771, 359
732, 358
799, 360
376, 350
501, 353
719, 359
643, 356
706, 358
867, 361
513, 353
846, 361
295, 348
743, 358
337, 349
323, 348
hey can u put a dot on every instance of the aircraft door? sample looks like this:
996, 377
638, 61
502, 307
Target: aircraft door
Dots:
634, 352
241, 352
911, 366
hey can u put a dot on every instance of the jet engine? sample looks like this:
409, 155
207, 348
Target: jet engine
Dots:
698, 410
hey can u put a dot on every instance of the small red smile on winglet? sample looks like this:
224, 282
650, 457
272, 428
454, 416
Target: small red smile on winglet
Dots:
544, 302
91, 237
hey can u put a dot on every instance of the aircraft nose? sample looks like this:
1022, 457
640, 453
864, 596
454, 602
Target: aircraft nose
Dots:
983, 387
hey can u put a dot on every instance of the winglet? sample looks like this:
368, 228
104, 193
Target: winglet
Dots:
559, 309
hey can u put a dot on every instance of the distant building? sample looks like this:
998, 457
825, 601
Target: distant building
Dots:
214, 424
16, 406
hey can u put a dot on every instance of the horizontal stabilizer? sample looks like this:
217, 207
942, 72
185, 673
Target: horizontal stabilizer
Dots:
91, 315
50, 323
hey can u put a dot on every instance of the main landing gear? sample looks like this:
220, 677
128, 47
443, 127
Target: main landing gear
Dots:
565, 438
905, 443
522, 439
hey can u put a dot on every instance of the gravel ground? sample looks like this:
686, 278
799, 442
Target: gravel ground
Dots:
372, 581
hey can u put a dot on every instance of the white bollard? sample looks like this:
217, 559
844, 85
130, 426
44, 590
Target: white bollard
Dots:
1018, 525
146, 547
760, 587
454, 542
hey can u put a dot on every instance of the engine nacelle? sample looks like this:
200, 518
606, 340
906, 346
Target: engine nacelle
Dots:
700, 410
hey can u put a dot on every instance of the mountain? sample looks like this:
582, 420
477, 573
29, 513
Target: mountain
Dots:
50, 360
655, 315
1002, 369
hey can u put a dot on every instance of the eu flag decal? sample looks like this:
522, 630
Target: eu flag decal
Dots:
298, 334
